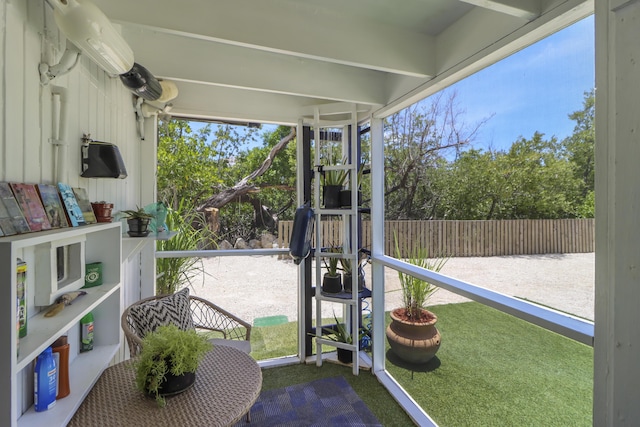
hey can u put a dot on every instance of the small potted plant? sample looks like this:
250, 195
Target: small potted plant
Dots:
168, 361
332, 281
138, 221
332, 181
102, 210
347, 274
341, 334
345, 194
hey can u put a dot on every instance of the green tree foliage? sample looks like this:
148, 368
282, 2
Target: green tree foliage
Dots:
531, 180
192, 163
278, 184
580, 151
535, 178
196, 165
418, 140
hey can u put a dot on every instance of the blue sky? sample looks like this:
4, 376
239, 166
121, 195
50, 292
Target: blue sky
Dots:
533, 90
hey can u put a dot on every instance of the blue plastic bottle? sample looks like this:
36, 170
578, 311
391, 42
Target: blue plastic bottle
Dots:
45, 381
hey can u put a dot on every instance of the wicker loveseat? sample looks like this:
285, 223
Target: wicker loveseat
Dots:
224, 328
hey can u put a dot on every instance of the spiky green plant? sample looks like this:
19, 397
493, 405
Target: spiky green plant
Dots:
416, 292
331, 263
334, 176
193, 233
339, 333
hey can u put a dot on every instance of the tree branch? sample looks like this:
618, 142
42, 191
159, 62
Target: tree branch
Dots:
243, 187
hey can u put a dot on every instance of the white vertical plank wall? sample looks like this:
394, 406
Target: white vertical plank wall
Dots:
95, 103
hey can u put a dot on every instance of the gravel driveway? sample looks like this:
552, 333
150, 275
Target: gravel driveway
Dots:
264, 286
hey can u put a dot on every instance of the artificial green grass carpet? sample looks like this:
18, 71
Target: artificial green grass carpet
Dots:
492, 370
495, 370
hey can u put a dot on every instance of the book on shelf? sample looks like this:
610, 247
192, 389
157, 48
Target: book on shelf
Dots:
13, 221
6, 224
52, 205
27, 197
74, 214
85, 205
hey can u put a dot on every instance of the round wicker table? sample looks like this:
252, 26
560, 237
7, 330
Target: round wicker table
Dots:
228, 383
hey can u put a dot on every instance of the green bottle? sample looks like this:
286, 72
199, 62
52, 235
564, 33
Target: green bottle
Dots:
86, 333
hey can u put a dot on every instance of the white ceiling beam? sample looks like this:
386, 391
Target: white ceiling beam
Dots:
525, 9
311, 32
232, 66
206, 102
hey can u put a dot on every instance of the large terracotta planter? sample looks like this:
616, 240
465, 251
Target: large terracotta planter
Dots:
413, 342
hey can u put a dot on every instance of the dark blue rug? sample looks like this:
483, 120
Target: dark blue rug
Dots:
325, 402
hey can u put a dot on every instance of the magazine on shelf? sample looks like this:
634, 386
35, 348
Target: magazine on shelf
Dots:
53, 205
71, 205
85, 205
27, 197
16, 222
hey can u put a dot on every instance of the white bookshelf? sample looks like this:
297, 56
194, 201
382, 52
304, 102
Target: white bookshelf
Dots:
87, 244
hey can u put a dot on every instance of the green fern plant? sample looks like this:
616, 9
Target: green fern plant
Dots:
168, 349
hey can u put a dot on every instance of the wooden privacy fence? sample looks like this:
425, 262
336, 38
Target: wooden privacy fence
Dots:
470, 238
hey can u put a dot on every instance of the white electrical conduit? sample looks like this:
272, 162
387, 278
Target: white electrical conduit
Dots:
58, 131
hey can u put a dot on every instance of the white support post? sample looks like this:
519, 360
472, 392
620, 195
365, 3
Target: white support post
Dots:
617, 315
377, 243
301, 272
149, 167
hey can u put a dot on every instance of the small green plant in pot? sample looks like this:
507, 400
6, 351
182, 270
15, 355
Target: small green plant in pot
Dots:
341, 334
332, 281
332, 181
138, 221
169, 354
347, 273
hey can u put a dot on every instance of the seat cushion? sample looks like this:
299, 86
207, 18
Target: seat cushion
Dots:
242, 345
169, 310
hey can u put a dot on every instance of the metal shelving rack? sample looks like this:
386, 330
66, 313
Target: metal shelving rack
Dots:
348, 132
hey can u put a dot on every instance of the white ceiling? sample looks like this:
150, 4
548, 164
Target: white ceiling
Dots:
272, 60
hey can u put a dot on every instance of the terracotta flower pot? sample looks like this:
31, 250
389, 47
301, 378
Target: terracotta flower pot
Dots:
413, 342
102, 210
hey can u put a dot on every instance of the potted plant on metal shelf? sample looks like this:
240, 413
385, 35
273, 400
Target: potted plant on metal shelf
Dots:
168, 361
138, 221
341, 334
412, 333
347, 273
332, 181
332, 281
345, 194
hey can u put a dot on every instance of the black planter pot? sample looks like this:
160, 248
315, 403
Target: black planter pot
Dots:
345, 198
331, 284
138, 227
331, 196
346, 281
175, 384
344, 355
